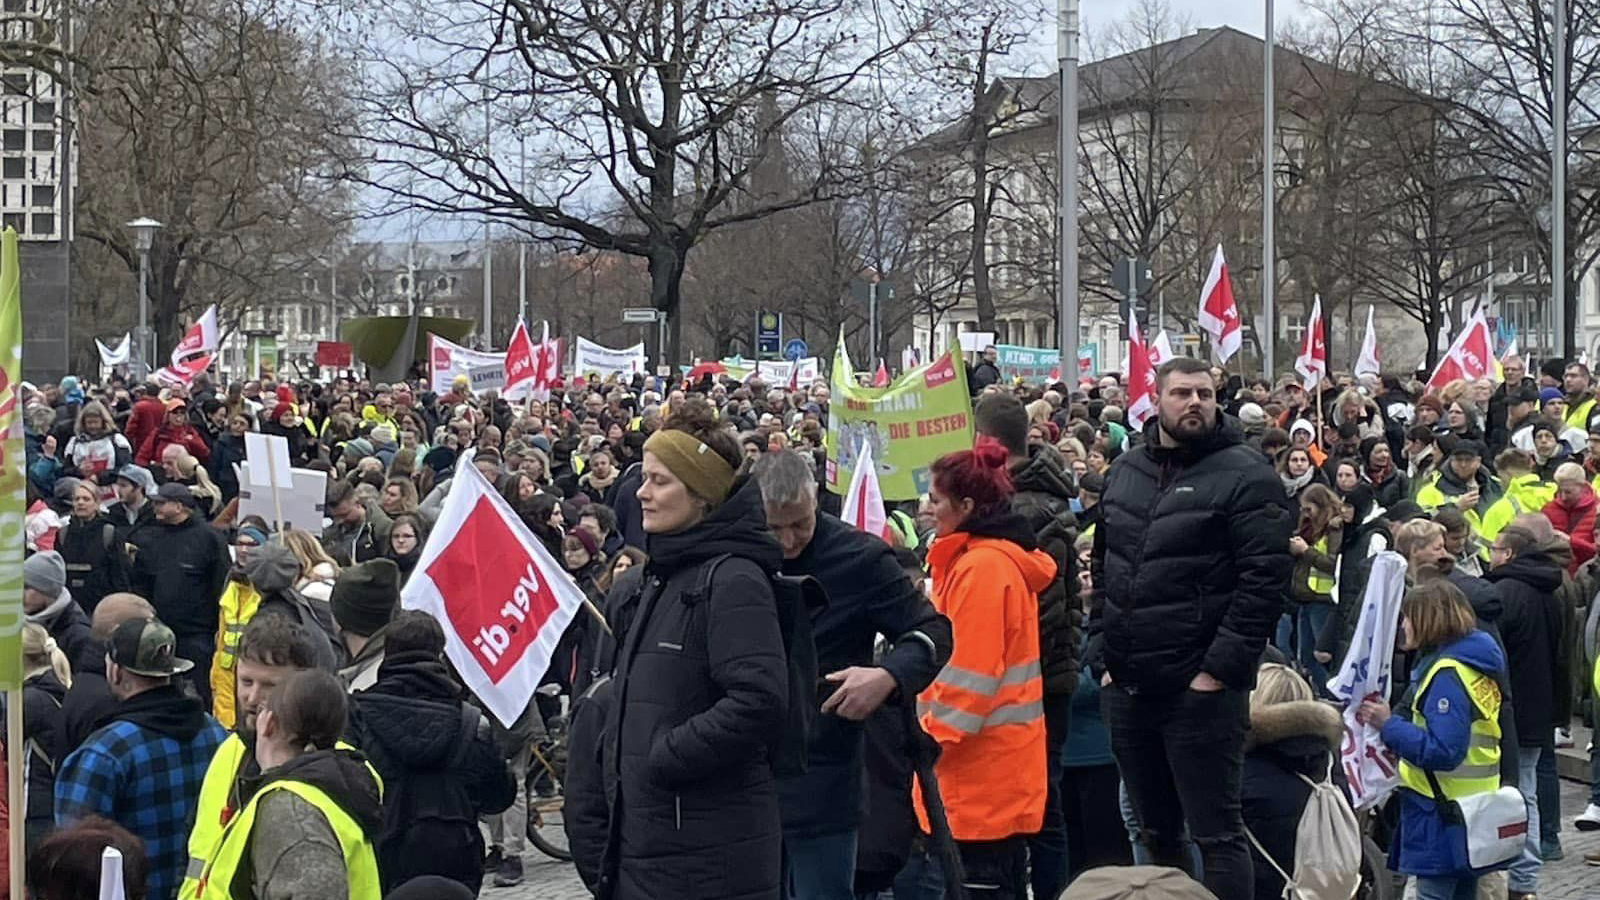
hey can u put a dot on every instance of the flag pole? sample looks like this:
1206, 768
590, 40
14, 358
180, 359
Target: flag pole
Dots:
16, 815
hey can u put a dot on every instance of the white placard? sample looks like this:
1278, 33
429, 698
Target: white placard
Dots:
975, 341
269, 458
302, 499
447, 359
593, 358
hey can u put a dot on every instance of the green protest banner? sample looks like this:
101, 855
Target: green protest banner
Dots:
917, 418
1031, 364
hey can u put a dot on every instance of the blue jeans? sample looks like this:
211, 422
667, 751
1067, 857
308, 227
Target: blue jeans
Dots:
1523, 875
1458, 887
1549, 794
1308, 624
1594, 774
1283, 636
820, 867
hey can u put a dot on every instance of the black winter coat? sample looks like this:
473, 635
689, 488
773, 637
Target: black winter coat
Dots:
181, 570
1286, 741
71, 630
41, 728
1530, 627
227, 451
1044, 499
96, 563
130, 530
868, 594
693, 800
1191, 563
1488, 606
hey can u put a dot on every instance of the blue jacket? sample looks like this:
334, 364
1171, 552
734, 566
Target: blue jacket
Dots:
143, 770
1423, 843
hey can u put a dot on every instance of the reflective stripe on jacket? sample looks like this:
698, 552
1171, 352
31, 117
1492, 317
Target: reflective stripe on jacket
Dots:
237, 607
212, 813
360, 861
1479, 771
986, 708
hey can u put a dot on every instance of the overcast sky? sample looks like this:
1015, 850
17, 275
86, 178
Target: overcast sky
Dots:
1245, 15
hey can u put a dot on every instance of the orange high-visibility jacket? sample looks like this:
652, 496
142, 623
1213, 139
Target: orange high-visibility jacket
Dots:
986, 708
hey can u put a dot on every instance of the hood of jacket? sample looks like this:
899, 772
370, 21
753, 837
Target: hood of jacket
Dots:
737, 527
272, 567
414, 710
1043, 472
1303, 722
1536, 569
1036, 566
166, 710
344, 777
1530, 491
1586, 501
1480, 594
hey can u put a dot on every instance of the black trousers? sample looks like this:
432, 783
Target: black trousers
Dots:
1182, 756
1095, 836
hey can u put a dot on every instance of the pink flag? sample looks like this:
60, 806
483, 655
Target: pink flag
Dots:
1312, 363
863, 504
521, 372
881, 379
1141, 377
502, 621
1219, 314
1470, 356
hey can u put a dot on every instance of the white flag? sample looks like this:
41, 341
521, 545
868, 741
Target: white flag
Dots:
863, 503
502, 599
114, 356
111, 886
1370, 768
1367, 362
1160, 348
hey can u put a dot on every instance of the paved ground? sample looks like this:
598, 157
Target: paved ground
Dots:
1566, 879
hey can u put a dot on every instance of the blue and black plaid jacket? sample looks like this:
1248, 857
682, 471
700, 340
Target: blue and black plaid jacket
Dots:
146, 782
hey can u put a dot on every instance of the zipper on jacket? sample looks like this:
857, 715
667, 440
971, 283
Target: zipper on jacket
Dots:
677, 810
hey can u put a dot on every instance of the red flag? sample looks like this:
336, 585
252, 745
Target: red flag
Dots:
1141, 376
1219, 314
521, 371
193, 354
879, 380
1312, 363
1470, 356
502, 621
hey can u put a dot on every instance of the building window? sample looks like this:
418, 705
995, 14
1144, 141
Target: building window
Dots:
1291, 326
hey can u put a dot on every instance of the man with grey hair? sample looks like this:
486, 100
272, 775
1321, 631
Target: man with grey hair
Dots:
868, 594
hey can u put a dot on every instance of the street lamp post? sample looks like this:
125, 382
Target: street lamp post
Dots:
144, 236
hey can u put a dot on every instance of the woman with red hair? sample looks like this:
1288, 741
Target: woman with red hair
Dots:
986, 707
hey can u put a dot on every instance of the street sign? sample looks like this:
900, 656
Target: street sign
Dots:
769, 333
1119, 276
795, 349
1191, 340
641, 315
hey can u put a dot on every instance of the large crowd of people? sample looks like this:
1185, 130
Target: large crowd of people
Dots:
1087, 648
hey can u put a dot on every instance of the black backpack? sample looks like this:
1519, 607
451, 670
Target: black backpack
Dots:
799, 599
429, 824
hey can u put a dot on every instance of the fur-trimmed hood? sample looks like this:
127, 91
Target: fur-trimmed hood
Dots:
1297, 718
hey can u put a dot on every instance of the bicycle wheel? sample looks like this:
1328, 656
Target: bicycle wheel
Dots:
546, 792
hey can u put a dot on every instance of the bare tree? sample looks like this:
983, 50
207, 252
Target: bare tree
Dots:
645, 107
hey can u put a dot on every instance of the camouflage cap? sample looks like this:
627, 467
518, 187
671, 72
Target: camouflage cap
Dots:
146, 647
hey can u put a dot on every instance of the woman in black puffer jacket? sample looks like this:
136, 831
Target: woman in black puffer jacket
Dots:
1290, 735
695, 708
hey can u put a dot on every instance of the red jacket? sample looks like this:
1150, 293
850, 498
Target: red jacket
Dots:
146, 416
1577, 522
150, 451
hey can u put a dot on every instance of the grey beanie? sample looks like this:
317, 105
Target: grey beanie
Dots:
271, 567
45, 572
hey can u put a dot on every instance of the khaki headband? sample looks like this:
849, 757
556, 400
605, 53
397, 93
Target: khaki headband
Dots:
700, 468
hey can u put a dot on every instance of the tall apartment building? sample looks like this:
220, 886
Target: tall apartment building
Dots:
37, 164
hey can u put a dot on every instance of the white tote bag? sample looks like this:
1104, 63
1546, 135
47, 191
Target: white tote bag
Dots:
1497, 826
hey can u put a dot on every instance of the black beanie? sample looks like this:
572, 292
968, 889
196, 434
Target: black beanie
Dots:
365, 596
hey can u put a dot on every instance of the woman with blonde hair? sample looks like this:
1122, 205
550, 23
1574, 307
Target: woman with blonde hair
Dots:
1292, 738
318, 571
1315, 548
46, 675
194, 477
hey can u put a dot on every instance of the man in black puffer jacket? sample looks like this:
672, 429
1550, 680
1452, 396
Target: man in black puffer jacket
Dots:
1043, 498
1191, 568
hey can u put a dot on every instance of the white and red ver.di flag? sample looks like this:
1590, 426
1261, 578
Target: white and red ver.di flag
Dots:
863, 503
1312, 363
502, 599
1219, 314
1471, 354
1141, 376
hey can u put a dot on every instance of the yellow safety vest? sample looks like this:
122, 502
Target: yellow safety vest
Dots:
1318, 582
1578, 416
215, 810
1479, 772
360, 861
236, 607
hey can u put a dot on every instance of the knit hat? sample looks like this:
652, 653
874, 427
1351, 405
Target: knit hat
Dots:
1550, 393
173, 492
365, 596
587, 540
1404, 511
139, 477
1430, 401
63, 488
45, 572
692, 462
1252, 414
1136, 883
1303, 425
146, 647
1545, 425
